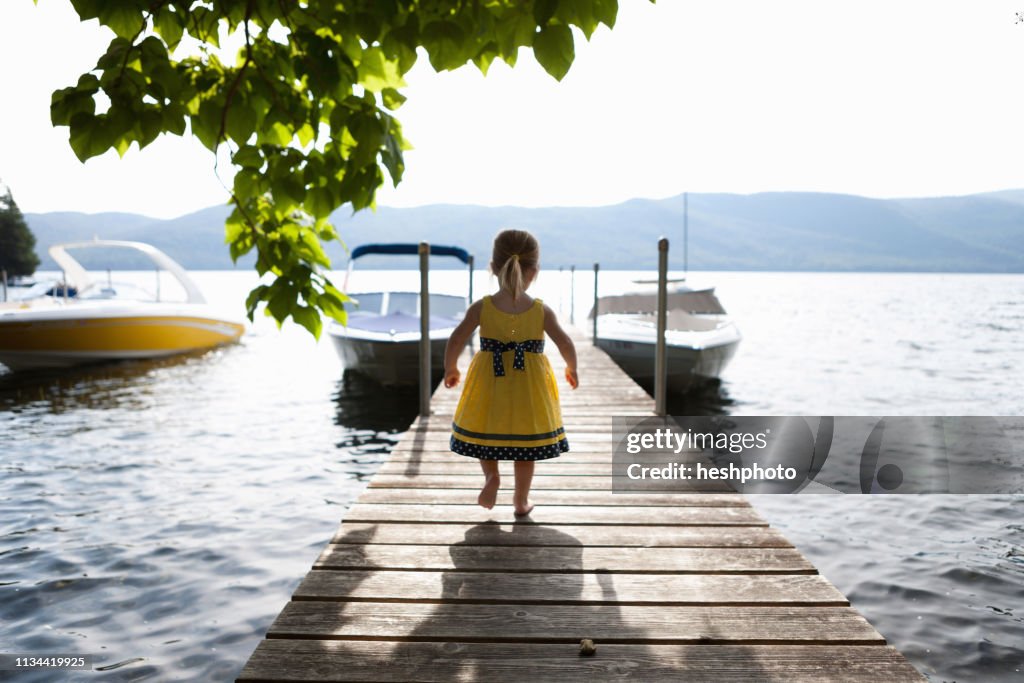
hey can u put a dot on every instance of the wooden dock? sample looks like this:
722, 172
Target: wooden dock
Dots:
421, 584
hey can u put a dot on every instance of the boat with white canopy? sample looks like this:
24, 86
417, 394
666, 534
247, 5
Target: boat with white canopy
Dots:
700, 338
83, 319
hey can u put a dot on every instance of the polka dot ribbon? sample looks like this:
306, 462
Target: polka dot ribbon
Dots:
497, 347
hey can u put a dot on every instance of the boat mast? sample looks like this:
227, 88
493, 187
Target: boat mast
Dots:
686, 231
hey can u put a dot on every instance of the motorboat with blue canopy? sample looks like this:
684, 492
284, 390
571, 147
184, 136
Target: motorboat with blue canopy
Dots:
381, 337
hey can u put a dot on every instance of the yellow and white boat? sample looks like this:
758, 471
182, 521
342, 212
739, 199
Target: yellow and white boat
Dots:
84, 321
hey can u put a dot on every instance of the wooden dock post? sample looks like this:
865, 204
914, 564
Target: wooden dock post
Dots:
660, 348
421, 584
425, 383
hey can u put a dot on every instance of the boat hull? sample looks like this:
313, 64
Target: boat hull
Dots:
391, 363
688, 367
64, 339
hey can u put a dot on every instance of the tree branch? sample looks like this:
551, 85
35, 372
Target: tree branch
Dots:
238, 77
153, 7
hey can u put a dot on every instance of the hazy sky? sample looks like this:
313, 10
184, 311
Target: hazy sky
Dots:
880, 98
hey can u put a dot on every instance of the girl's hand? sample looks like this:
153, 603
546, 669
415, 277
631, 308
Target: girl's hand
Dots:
451, 378
571, 378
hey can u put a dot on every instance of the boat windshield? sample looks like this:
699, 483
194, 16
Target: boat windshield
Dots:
368, 304
117, 290
444, 305
447, 306
697, 302
407, 303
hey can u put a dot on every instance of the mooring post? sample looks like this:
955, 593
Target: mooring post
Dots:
424, 329
561, 292
660, 364
471, 348
572, 295
596, 310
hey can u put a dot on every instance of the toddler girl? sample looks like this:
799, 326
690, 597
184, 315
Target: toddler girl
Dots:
509, 405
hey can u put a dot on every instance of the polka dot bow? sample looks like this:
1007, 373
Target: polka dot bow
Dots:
497, 347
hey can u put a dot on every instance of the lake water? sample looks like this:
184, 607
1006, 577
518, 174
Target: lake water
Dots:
159, 514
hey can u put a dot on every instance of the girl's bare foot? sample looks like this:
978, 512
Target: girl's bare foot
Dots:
523, 510
489, 492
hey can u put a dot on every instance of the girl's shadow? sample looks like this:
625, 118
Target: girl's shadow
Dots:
516, 604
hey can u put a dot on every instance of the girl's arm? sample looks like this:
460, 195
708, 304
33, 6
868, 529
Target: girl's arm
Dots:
564, 344
457, 342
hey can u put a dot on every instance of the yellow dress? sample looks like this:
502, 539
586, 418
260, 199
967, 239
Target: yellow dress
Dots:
509, 405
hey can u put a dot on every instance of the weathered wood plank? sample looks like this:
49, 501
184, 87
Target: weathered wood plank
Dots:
551, 468
469, 466
559, 514
436, 662
427, 496
567, 535
581, 589
445, 455
541, 482
585, 434
488, 558
621, 624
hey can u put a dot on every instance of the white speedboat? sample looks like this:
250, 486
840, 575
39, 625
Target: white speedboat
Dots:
700, 339
382, 336
82, 320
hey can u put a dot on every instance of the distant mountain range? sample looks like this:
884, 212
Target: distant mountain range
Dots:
786, 231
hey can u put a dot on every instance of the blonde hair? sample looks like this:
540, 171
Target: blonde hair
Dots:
514, 252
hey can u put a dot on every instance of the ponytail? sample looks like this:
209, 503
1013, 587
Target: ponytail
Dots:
510, 276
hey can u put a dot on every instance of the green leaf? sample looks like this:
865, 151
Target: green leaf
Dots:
241, 120
248, 156
281, 302
320, 202
309, 318
392, 98
203, 25
174, 118
247, 182
255, 297
554, 49
443, 41
88, 136
122, 16
170, 25
543, 10
235, 227
484, 58
580, 13
64, 104
400, 43
512, 32
275, 134
151, 124
331, 301
305, 134
376, 72
606, 11
206, 125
